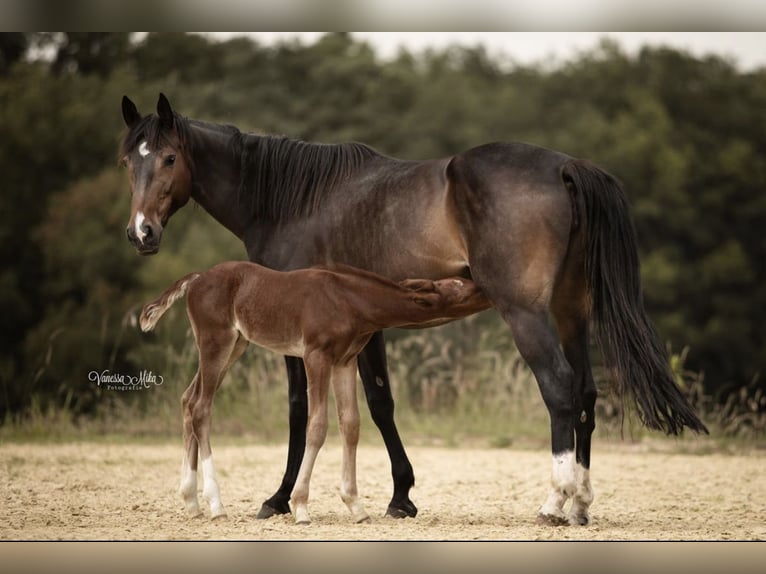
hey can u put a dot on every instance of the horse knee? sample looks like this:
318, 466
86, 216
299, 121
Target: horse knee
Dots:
200, 416
349, 425
316, 433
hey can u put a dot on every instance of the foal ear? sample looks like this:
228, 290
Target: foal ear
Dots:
165, 111
130, 112
423, 300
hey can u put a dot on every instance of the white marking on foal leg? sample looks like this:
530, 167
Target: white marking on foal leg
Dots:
143, 149
563, 485
300, 494
210, 490
581, 501
188, 488
348, 490
138, 223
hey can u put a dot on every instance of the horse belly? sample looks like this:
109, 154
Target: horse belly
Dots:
406, 240
285, 341
430, 248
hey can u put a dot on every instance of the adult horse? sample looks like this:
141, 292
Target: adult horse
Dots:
541, 234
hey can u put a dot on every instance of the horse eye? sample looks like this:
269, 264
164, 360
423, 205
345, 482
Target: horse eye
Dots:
170, 160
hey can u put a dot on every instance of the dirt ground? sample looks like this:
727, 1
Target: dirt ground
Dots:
100, 491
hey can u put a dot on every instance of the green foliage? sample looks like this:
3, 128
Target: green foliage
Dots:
686, 135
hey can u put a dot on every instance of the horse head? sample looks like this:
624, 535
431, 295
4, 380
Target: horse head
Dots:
160, 174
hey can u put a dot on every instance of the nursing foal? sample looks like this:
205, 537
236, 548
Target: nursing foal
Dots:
326, 316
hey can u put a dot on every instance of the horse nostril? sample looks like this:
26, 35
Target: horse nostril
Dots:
147, 229
130, 233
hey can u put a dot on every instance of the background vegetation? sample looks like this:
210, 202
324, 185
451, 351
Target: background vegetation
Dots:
686, 135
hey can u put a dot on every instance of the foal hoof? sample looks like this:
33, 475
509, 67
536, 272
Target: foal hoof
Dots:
267, 510
402, 509
302, 516
551, 520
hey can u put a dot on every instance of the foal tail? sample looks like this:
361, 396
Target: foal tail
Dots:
626, 337
152, 312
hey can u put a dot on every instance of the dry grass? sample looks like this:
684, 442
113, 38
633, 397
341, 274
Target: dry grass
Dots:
463, 383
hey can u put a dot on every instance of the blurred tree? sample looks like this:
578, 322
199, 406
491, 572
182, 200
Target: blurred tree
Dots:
13, 46
86, 53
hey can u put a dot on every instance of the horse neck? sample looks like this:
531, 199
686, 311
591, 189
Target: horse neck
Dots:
217, 175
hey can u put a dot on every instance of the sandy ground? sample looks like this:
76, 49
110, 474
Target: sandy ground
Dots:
98, 491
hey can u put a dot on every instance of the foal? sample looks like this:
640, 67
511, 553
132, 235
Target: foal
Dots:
326, 316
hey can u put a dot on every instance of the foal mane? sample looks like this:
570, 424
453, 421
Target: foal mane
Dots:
284, 178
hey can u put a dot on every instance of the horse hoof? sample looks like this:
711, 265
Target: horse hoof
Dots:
551, 520
403, 509
363, 520
302, 516
579, 519
267, 511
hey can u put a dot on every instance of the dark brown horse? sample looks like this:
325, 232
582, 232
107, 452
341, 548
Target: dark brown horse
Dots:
324, 316
541, 234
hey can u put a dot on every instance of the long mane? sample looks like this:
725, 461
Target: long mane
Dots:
284, 178
281, 178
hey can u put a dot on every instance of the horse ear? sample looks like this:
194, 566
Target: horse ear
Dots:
165, 111
130, 112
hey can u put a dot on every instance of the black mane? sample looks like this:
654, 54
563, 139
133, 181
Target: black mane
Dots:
283, 178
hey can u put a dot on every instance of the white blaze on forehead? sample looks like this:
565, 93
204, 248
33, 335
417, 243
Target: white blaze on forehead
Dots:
143, 149
139, 223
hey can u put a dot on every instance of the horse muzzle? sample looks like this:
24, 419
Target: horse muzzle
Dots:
145, 237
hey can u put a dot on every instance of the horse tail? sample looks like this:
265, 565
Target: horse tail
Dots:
631, 347
152, 312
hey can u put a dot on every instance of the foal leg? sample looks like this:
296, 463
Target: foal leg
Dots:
319, 371
374, 373
218, 350
188, 486
344, 385
278, 503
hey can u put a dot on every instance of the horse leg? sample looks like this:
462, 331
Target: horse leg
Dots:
538, 345
218, 350
344, 385
573, 331
374, 373
319, 371
278, 503
188, 486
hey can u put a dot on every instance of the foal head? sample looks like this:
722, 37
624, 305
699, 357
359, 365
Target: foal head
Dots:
160, 174
455, 296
